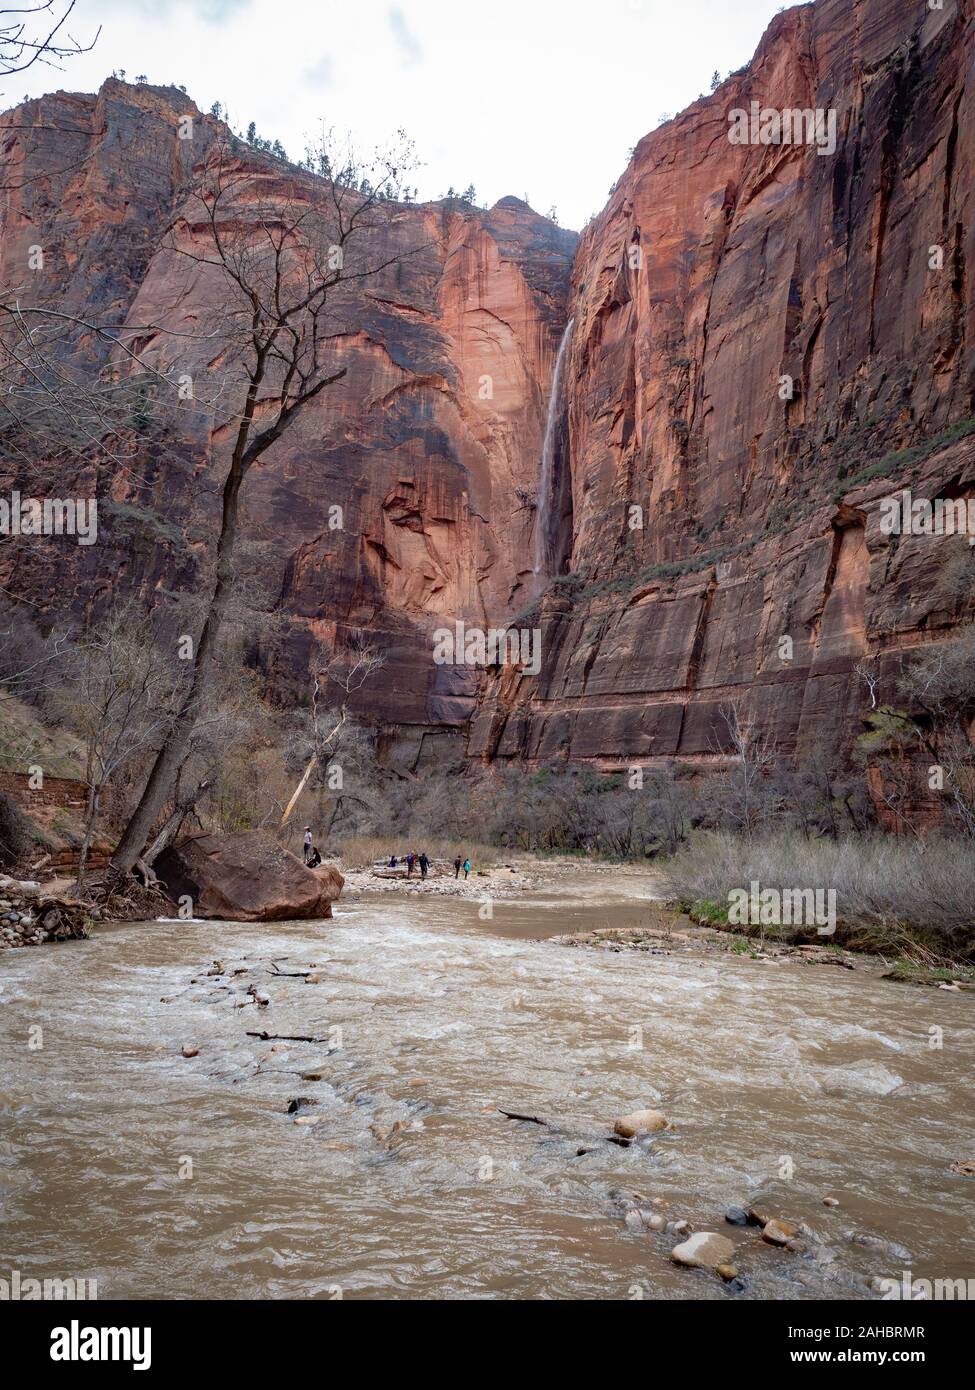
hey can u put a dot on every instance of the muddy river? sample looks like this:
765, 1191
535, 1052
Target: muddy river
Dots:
395, 1175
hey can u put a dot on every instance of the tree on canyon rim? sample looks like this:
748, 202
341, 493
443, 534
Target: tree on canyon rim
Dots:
282, 258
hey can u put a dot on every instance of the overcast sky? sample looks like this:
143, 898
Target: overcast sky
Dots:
540, 98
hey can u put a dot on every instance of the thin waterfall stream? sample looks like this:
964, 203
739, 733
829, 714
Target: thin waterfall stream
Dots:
542, 539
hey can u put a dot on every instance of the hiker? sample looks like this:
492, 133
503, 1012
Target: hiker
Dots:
410, 861
467, 867
307, 849
424, 864
457, 863
314, 859
393, 861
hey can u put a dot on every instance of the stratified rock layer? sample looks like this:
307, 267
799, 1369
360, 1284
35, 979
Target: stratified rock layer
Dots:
716, 272
767, 339
429, 444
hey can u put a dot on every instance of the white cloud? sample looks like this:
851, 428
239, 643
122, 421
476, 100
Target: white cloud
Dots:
543, 97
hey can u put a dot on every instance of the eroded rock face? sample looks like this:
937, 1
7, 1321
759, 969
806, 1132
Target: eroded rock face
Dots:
755, 568
247, 877
429, 444
716, 271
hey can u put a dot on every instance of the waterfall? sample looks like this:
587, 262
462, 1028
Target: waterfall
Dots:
542, 539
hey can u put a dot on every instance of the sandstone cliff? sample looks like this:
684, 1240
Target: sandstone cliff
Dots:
429, 444
699, 514
716, 271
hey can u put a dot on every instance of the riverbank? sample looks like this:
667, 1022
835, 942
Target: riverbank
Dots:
639, 919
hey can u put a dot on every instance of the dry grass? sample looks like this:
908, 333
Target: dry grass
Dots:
892, 895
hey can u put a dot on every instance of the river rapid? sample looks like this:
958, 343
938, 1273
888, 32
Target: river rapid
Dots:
396, 1176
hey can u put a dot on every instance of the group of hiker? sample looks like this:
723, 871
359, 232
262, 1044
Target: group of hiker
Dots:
312, 858
422, 861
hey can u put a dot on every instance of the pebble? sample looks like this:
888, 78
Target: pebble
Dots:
778, 1232
830, 1202
190, 1050
736, 1216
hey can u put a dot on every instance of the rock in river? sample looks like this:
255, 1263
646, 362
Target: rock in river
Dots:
640, 1122
247, 877
778, 1232
704, 1250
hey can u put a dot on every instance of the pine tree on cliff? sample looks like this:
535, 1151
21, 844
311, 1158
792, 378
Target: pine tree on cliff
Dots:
280, 264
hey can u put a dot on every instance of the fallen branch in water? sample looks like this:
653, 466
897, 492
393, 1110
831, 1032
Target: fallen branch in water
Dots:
286, 1037
560, 1129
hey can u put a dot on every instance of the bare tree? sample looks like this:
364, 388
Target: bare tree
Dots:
936, 721
333, 684
29, 662
121, 699
37, 33
279, 260
756, 754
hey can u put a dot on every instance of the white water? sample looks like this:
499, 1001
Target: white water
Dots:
543, 513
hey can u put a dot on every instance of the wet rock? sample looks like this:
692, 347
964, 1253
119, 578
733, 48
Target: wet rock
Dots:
633, 1220
830, 1202
308, 1119
871, 1242
640, 1122
736, 1216
703, 1250
296, 1103
190, 1050
779, 1232
964, 1167
677, 1228
727, 1272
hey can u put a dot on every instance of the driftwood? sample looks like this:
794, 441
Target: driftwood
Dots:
286, 1037
63, 919
560, 1128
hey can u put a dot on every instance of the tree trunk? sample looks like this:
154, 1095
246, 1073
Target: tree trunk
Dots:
297, 791
171, 755
181, 811
91, 811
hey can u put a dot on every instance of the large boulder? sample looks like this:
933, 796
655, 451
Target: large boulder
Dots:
247, 877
